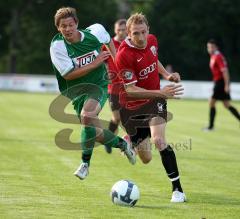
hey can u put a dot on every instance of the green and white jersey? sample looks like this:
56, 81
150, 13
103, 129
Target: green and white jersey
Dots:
67, 56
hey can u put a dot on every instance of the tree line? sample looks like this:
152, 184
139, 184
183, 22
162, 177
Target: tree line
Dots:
182, 28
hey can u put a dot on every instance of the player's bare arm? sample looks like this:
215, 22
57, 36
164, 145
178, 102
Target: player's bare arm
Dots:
80, 72
168, 92
111, 48
174, 77
226, 79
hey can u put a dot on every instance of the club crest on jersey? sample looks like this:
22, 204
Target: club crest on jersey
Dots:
86, 58
154, 50
128, 75
160, 107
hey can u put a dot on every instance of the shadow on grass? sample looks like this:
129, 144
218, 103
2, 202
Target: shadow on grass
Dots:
201, 198
151, 207
213, 199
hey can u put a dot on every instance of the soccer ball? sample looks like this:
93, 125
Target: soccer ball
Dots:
125, 192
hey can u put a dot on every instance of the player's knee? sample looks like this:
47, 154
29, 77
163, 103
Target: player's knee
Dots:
159, 142
146, 160
116, 120
212, 103
226, 104
87, 117
85, 120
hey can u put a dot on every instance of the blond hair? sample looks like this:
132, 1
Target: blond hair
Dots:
137, 18
65, 12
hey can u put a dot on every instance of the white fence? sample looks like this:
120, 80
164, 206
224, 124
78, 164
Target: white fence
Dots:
28, 83
42, 83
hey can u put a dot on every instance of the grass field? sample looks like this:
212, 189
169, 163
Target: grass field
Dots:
36, 177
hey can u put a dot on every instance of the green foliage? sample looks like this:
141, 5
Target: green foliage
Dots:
182, 27
35, 28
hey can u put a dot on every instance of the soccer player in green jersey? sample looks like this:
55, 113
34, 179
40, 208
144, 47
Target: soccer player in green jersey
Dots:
79, 66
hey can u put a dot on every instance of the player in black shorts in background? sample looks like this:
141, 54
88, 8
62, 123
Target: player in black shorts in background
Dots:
115, 86
221, 90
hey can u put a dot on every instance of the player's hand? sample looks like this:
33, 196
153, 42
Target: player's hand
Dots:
174, 77
103, 56
226, 89
172, 91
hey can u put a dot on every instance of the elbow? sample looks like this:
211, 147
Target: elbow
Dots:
66, 77
128, 90
130, 93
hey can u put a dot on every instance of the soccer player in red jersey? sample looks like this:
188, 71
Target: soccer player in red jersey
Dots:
221, 90
143, 105
115, 86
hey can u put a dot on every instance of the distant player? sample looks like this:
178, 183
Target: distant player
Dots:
79, 66
115, 86
144, 108
221, 90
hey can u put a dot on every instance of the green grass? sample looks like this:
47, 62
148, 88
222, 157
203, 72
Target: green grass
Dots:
36, 177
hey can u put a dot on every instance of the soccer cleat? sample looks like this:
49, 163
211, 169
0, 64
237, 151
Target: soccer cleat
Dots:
207, 129
82, 171
178, 197
108, 149
129, 152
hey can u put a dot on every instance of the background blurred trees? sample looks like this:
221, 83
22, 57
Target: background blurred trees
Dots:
182, 27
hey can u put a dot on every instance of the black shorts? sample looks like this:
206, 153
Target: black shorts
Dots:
136, 122
114, 102
218, 91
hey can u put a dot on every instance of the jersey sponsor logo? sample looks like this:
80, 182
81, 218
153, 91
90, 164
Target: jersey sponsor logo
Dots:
128, 75
154, 50
138, 60
86, 58
149, 69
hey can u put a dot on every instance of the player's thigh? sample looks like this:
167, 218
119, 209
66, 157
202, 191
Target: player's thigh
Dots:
93, 104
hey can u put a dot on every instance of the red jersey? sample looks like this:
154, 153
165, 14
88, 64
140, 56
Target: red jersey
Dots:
138, 66
115, 86
217, 63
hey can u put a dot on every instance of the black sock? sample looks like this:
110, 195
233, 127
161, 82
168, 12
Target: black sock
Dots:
170, 164
212, 117
86, 157
112, 126
234, 112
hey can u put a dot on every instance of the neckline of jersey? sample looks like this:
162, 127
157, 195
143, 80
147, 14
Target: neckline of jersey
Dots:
127, 40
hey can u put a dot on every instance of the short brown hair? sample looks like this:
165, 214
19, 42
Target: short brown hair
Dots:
137, 18
213, 41
120, 22
65, 12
